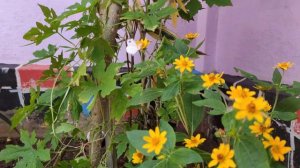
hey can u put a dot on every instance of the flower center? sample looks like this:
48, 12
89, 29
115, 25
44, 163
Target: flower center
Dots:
194, 141
140, 155
275, 149
251, 107
243, 94
184, 63
155, 141
220, 157
212, 78
262, 129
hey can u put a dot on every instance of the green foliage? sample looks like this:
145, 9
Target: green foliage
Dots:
25, 111
79, 162
195, 114
64, 128
249, 153
218, 2
192, 6
30, 155
146, 96
217, 106
173, 157
151, 19
276, 77
152, 87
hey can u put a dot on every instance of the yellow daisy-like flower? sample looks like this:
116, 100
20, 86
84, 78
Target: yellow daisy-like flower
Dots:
239, 93
261, 128
143, 43
137, 157
267, 106
194, 142
191, 36
161, 157
277, 147
222, 157
183, 63
284, 65
250, 108
160, 73
155, 141
212, 79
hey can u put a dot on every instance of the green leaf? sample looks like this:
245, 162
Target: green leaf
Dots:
176, 159
228, 120
119, 103
209, 94
184, 156
135, 138
122, 143
171, 91
249, 153
276, 77
180, 136
210, 3
26, 156
64, 128
206, 156
290, 104
157, 5
46, 11
150, 22
146, 96
81, 71
193, 6
294, 90
25, 111
165, 12
246, 74
181, 47
88, 90
106, 78
285, 116
108, 81
195, 114
132, 15
149, 164
217, 106
171, 136
77, 8
45, 98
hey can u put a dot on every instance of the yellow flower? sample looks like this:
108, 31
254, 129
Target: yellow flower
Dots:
277, 147
143, 43
183, 63
284, 65
222, 157
261, 128
267, 106
250, 108
155, 141
211, 79
194, 142
137, 157
191, 36
160, 73
239, 93
161, 157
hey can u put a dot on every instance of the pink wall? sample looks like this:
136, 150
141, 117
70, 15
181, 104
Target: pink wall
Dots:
255, 35
17, 17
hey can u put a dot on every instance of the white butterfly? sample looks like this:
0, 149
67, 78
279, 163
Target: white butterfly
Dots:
132, 48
